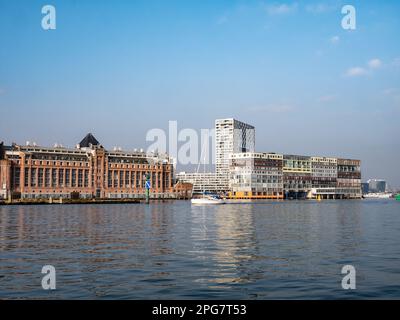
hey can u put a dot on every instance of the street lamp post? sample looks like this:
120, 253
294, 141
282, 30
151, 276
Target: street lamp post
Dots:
147, 186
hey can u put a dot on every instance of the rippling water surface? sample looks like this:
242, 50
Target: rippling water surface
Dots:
273, 250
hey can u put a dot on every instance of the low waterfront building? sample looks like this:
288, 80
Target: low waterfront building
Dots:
297, 176
324, 177
183, 190
348, 179
204, 181
321, 177
87, 171
255, 176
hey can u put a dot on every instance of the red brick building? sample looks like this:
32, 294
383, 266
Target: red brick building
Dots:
88, 171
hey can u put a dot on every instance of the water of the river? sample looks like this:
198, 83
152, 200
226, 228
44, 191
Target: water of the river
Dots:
172, 250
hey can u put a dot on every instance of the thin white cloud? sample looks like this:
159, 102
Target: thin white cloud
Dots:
281, 9
356, 72
396, 62
318, 8
334, 40
374, 64
327, 98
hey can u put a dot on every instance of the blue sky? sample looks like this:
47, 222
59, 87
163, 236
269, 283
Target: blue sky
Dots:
121, 68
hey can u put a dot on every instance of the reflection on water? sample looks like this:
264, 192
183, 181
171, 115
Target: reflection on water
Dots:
173, 250
227, 241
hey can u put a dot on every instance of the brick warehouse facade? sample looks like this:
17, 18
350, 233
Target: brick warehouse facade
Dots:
88, 171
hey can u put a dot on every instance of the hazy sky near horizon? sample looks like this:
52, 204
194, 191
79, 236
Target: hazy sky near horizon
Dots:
121, 68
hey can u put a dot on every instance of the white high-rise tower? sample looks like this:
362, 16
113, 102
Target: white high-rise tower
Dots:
231, 136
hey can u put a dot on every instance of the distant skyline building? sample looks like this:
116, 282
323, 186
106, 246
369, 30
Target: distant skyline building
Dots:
365, 187
376, 185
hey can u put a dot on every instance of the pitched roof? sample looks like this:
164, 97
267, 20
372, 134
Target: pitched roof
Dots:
88, 140
1, 150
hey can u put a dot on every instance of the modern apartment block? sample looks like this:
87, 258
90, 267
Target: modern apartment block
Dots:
231, 136
324, 176
243, 173
297, 176
274, 176
255, 176
88, 171
348, 178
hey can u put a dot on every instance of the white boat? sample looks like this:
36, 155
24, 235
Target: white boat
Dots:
208, 200
381, 195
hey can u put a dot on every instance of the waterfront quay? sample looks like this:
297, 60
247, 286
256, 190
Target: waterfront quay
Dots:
89, 171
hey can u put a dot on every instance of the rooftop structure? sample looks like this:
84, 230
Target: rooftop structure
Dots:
88, 141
